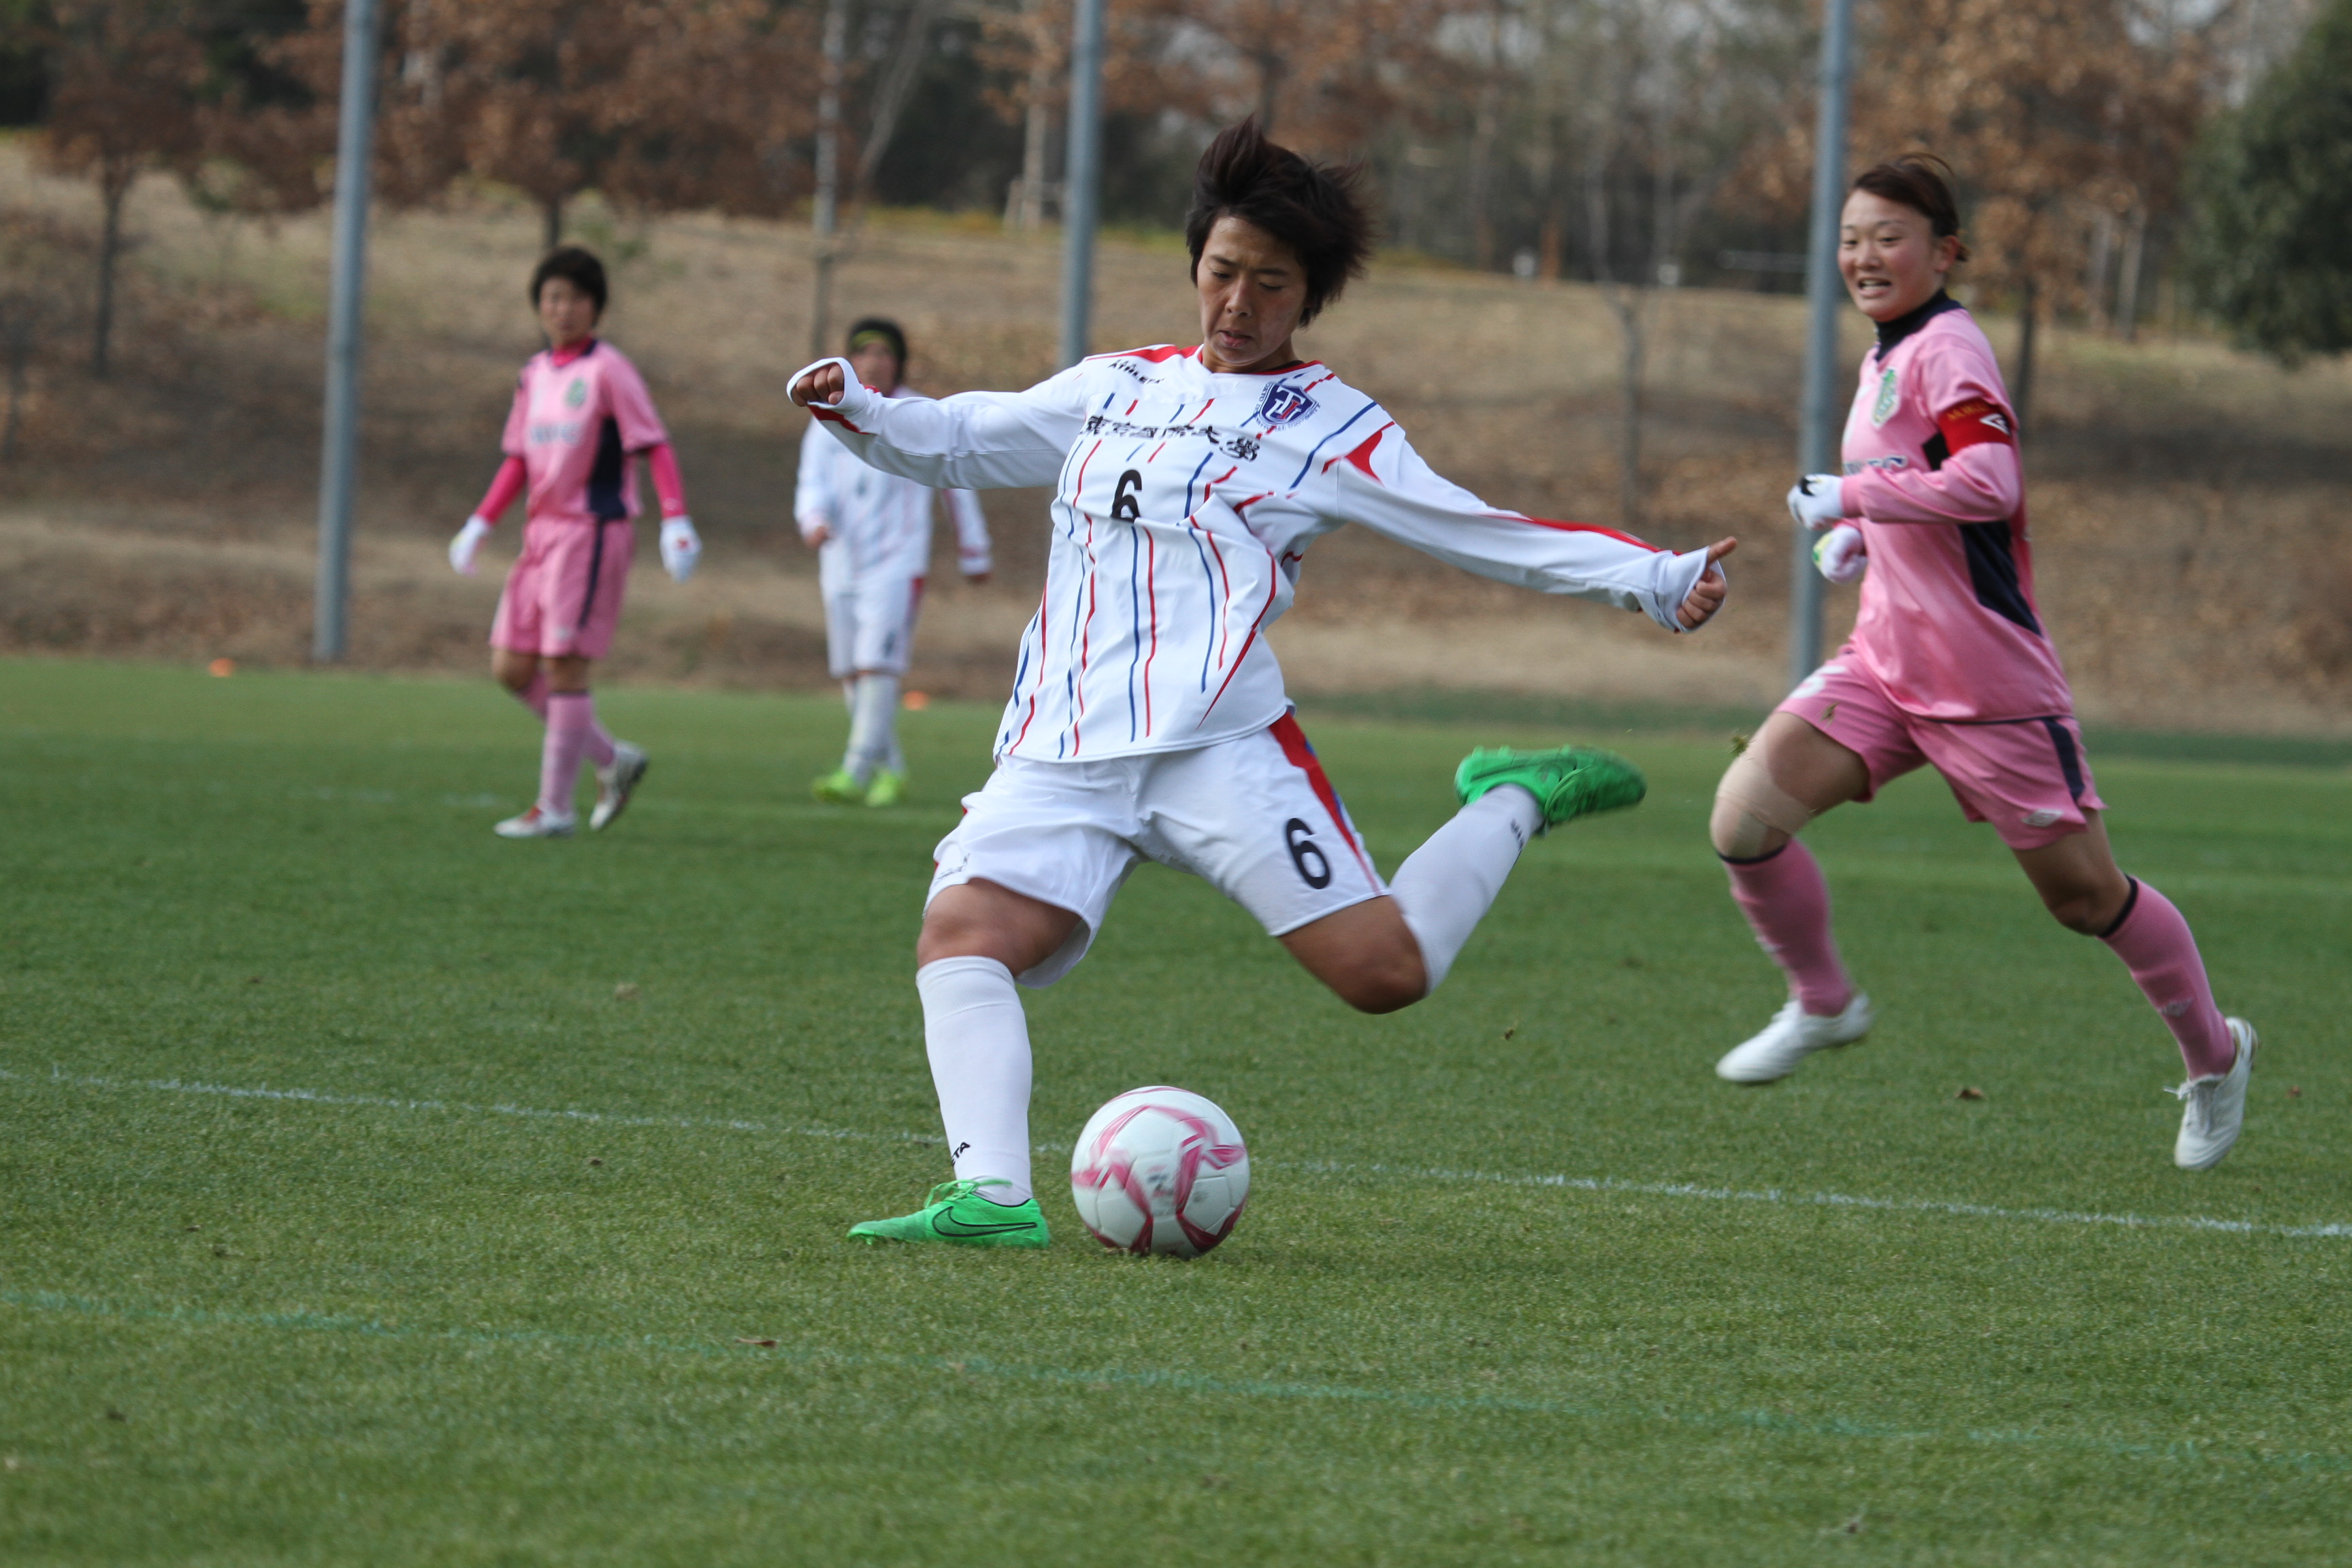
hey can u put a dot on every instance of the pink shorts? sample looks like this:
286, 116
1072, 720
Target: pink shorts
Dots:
563, 597
2028, 777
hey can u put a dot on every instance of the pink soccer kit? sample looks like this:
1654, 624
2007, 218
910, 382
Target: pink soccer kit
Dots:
578, 416
1949, 665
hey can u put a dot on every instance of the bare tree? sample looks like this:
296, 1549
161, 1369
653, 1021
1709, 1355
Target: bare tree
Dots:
124, 102
2063, 118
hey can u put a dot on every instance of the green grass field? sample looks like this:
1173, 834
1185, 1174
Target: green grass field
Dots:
376, 1190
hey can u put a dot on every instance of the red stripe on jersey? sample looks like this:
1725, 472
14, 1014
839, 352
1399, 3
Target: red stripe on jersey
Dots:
1361, 458
1273, 587
1225, 583
1085, 641
831, 418
1152, 589
1151, 355
1302, 757
1039, 682
1975, 422
1581, 527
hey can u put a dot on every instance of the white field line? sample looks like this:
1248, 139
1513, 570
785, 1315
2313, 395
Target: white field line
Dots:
1686, 1190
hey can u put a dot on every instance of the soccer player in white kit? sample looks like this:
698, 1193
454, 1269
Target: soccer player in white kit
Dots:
581, 413
872, 534
1949, 667
1147, 718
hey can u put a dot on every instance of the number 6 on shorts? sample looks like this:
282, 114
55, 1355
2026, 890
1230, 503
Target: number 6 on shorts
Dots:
1313, 869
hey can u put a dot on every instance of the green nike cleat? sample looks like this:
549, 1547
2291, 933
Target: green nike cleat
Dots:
887, 789
1571, 782
958, 1214
839, 787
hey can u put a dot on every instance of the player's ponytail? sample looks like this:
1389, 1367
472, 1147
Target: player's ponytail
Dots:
1922, 182
1313, 208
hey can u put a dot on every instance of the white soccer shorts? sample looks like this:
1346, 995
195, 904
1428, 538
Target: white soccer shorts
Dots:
1253, 816
871, 626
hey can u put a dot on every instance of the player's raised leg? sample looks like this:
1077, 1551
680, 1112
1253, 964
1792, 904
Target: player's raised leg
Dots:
1788, 775
2086, 891
1386, 953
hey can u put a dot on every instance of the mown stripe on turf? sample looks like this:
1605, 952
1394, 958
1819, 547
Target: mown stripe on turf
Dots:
1768, 1422
1688, 1190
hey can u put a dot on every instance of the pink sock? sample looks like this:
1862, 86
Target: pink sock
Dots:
600, 740
2155, 943
1788, 905
571, 715
534, 696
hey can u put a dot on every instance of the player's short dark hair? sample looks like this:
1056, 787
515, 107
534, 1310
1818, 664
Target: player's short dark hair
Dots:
878, 330
1313, 208
1922, 182
577, 266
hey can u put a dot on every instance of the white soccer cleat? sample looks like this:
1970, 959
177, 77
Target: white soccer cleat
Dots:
615, 780
2213, 1109
1792, 1036
537, 824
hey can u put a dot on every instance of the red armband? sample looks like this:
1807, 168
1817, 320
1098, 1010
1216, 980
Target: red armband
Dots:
1974, 422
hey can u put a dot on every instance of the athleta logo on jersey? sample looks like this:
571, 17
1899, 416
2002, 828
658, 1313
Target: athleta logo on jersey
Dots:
1283, 405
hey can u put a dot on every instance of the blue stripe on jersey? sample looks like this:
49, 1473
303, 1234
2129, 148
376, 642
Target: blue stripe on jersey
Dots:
1209, 577
1135, 619
1359, 414
1070, 665
1196, 480
1019, 676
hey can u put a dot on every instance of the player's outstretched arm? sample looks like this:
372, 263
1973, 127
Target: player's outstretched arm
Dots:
1386, 486
974, 440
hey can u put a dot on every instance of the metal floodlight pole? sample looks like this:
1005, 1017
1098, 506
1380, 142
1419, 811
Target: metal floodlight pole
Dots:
338, 453
1082, 181
1817, 440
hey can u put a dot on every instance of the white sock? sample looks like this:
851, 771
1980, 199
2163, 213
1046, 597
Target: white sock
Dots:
1444, 887
979, 1043
873, 719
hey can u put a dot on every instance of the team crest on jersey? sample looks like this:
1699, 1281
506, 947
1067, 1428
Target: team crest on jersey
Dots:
1884, 409
1284, 405
577, 392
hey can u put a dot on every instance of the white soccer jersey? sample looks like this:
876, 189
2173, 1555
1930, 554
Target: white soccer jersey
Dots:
881, 523
1184, 502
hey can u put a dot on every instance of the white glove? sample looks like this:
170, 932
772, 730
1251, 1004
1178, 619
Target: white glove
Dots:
469, 540
1839, 554
681, 548
1814, 501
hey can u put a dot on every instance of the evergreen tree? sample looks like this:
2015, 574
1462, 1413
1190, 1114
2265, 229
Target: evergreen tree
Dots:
2272, 254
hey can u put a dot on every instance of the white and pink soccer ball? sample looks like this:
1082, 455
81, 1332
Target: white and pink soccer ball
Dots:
1159, 1170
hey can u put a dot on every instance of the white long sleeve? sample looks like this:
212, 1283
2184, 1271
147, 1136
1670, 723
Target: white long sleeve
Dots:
973, 555
1390, 490
816, 499
973, 440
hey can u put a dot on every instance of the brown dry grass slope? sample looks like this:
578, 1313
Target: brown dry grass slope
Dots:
2188, 502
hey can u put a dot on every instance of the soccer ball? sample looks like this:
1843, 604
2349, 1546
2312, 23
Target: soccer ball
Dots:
1159, 1170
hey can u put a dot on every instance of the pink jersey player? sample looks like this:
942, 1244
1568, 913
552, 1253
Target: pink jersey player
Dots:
1951, 666
580, 411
